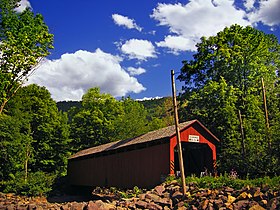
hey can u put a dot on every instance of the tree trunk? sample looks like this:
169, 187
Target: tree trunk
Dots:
3, 105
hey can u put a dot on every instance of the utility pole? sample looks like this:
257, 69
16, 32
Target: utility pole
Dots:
181, 164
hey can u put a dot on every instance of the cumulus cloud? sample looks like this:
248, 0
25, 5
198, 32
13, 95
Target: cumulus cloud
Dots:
135, 71
176, 44
149, 98
23, 4
249, 4
195, 19
69, 77
268, 13
139, 49
126, 22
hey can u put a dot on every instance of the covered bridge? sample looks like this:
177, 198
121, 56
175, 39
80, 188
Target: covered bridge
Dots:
144, 161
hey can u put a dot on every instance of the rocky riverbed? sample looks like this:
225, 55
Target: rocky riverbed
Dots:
165, 196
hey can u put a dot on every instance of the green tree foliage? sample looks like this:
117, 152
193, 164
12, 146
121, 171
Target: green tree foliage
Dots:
165, 112
93, 123
33, 138
25, 40
223, 79
132, 121
103, 119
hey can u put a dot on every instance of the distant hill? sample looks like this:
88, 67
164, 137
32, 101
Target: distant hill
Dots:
150, 105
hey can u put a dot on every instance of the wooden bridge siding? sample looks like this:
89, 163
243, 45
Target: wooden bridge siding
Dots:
140, 167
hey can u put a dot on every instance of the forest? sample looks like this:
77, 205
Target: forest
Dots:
223, 89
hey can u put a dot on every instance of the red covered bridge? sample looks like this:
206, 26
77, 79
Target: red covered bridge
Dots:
144, 161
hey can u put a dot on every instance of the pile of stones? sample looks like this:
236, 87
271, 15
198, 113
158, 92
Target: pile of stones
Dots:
163, 197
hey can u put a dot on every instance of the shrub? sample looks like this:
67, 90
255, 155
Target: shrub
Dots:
233, 182
37, 184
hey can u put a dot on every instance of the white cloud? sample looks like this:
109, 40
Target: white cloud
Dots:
139, 49
135, 71
69, 77
23, 4
249, 4
195, 19
126, 22
176, 44
149, 98
268, 13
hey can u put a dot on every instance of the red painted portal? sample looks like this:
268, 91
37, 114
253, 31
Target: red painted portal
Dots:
199, 150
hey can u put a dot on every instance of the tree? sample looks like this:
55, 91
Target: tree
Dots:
133, 121
34, 142
45, 146
224, 79
103, 119
93, 123
165, 112
11, 146
25, 40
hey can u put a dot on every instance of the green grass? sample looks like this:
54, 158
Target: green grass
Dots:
227, 181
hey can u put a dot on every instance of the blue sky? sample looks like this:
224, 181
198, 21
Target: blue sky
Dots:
128, 47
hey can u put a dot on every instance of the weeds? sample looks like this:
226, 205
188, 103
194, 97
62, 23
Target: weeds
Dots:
227, 180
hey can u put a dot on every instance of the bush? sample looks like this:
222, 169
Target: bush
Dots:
37, 184
233, 182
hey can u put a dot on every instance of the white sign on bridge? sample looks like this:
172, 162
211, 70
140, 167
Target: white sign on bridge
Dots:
193, 138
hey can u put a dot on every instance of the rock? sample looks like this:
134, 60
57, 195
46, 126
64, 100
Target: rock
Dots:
39, 208
263, 202
204, 204
2, 207
230, 199
153, 197
210, 206
77, 206
256, 207
165, 202
166, 208
193, 207
244, 196
229, 189
218, 203
166, 195
104, 206
159, 190
274, 203
31, 206
153, 206
22, 207
258, 195
92, 206
141, 204
142, 196
180, 204
11, 207
65, 206
182, 208
242, 204
177, 195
